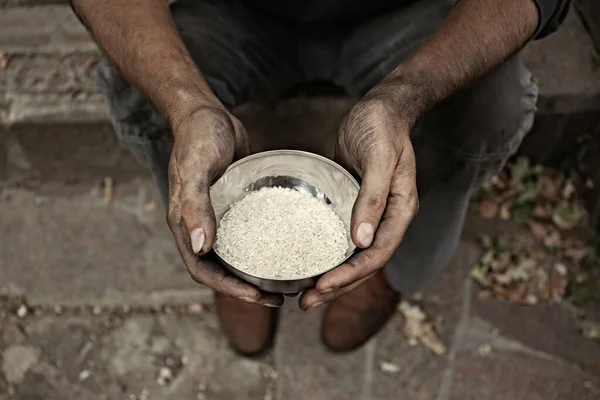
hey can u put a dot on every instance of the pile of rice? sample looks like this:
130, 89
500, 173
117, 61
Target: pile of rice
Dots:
280, 233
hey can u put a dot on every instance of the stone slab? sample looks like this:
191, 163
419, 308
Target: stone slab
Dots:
48, 29
306, 370
491, 367
65, 156
77, 250
94, 357
530, 325
563, 66
420, 372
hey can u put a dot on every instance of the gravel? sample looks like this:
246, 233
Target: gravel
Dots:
281, 233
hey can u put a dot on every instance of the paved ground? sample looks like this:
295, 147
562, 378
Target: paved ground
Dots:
112, 314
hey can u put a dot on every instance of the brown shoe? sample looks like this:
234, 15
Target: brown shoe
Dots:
250, 328
354, 317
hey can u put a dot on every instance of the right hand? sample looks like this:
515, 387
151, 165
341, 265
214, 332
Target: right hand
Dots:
206, 141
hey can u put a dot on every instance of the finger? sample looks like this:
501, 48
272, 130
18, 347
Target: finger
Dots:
372, 199
197, 212
402, 206
313, 298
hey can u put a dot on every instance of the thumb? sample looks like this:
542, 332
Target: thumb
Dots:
242, 142
371, 201
198, 214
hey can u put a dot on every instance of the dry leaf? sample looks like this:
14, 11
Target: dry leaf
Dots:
109, 190
90, 62
591, 329
589, 184
488, 209
431, 340
484, 350
575, 255
566, 216
538, 230
505, 212
542, 211
568, 190
418, 328
550, 188
389, 367
552, 240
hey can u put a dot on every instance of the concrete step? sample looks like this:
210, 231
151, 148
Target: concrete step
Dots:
47, 94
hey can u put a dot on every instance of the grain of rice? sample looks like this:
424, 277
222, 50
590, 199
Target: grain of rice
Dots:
281, 233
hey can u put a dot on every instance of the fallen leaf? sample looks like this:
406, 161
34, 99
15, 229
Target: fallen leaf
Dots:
591, 329
538, 230
165, 375
484, 350
109, 190
505, 212
566, 216
90, 62
575, 255
552, 240
550, 188
85, 374
557, 285
520, 170
484, 294
418, 328
530, 193
568, 190
488, 209
542, 211
431, 340
589, 184
389, 367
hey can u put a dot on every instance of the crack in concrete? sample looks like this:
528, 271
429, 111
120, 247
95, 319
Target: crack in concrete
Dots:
448, 374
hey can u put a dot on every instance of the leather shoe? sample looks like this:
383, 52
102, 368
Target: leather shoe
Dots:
250, 328
351, 319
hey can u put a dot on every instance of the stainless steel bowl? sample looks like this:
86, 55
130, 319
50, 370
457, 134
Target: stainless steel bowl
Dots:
299, 170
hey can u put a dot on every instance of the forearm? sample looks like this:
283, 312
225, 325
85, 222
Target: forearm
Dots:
141, 40
477, 36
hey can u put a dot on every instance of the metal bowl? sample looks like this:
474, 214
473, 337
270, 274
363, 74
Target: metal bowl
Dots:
306, 172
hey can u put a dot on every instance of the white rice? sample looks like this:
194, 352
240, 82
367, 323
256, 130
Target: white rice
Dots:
282, 234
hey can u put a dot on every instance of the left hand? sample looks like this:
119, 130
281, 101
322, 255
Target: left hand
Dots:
374, 141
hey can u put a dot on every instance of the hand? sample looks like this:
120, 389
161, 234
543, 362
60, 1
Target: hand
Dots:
374, 142
205, 143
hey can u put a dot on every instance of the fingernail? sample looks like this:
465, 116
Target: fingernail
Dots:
197, 237
365, 233
270, 305
317, 304
248, 300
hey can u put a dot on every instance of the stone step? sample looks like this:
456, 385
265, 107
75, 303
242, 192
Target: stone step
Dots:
49, 82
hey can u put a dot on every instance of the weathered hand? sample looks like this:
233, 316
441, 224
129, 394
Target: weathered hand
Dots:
206, 142
374, 142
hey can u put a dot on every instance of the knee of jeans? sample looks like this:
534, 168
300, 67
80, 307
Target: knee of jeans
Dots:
486, 122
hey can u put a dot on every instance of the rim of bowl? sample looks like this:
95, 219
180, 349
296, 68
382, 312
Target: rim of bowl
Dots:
301, 153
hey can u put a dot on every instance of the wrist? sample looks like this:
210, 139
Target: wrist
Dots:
407, 97
181, 99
